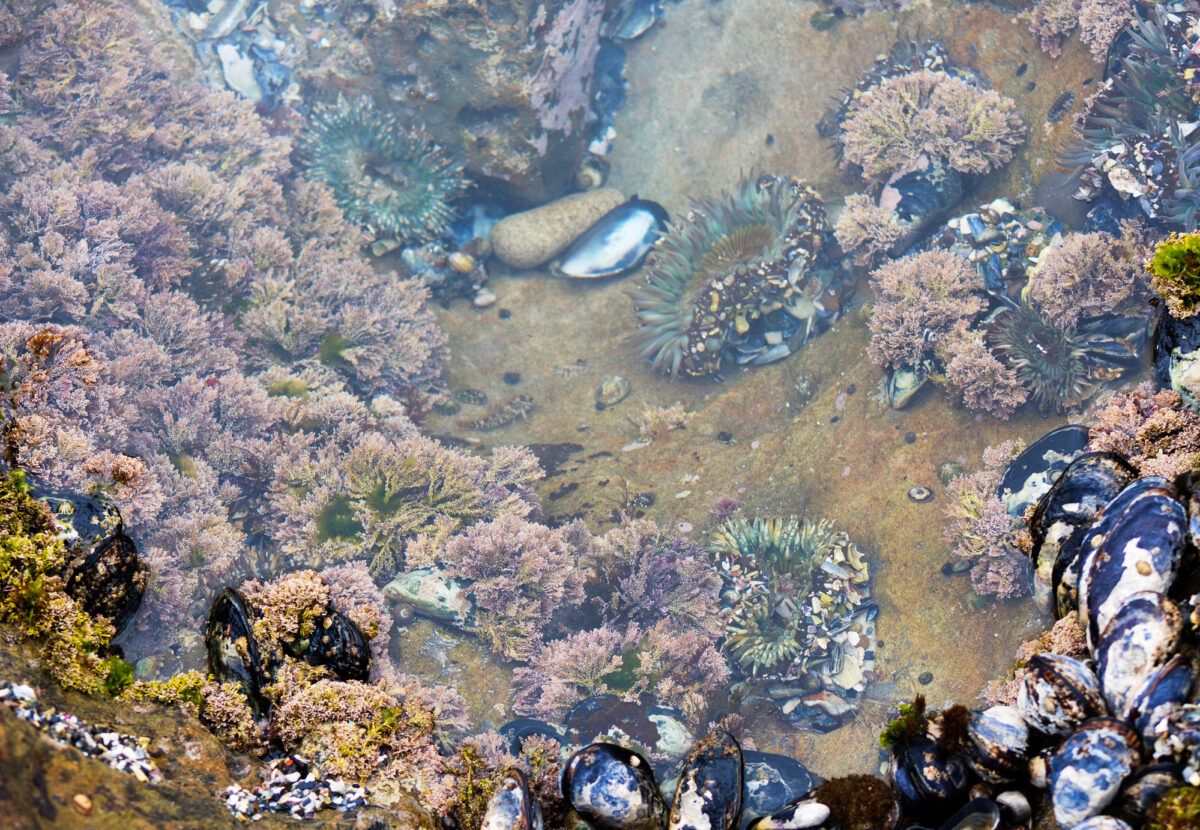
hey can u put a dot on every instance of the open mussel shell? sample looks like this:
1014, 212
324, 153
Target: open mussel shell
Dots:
1058, 693
109, 580
931, 782
512, 806
1063, 515
1065, 578
233, 654
337, 644
1089, 767
613, 788
709, 794
1140, 639
998, 744
516, 731
1141, 552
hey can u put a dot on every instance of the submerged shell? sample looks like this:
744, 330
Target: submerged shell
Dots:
109, 581
1034, 471
772, 781
613, 788
512, 806
1141, 638
998, 744
902, 384
978, 814
337, 644
1087, 770
1058, 693
233, 654
709, 794
930, 781
612, 390
617, 243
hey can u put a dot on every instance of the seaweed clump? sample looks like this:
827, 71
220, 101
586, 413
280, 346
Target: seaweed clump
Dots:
1175, 273
858, 802
908, 725
1177, 809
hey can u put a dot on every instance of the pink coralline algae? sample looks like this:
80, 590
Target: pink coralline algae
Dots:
978, 377
981, 530
1156, 431
560, 90
1091, 274
1099, 21
195, 316
933, 114
867, 231
919, 300
1051, 22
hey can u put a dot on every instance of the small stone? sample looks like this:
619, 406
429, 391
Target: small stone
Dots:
512, 378
484, 298
462, 262
82, 804
504, 314
612, 390
947, 471
910, 438
925, 678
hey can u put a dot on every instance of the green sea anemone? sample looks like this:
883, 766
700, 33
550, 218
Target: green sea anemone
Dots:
1059, 365
1175, 273
395, 182
735, 259
782, 577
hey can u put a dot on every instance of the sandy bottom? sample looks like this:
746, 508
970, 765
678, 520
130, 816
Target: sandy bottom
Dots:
725, 87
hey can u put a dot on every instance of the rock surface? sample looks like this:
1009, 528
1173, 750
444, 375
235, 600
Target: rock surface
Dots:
534, 237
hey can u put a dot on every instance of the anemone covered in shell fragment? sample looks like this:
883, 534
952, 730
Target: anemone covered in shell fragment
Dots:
795, 604
393, 181
735, 260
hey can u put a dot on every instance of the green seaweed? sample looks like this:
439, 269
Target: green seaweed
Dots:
1175, 272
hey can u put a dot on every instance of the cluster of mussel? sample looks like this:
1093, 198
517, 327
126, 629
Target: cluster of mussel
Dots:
611, 787
1107, 736
104, 574
236, 655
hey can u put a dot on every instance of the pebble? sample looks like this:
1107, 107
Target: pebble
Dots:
534, 237
910, 438
295, 787
925, 678
484, 297
126, 753
83, 804
512, 378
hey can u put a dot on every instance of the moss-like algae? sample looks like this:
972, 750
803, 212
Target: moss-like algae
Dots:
1175, 273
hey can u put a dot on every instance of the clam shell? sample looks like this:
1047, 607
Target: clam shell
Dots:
709, 794
512, 806
1087, 770
1140, 639
617, 243
613, 788
1058, 693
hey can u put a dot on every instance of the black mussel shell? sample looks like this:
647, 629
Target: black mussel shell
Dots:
233, 654
1065, 581
657, 730
998, 744
709, 794
1141, 638
771, 782
1032, 472
512, 805
1176, 350
337, 644
613, 788
109, 581
931, 782
1063, 515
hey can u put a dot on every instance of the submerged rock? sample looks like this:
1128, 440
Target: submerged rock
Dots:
534, 237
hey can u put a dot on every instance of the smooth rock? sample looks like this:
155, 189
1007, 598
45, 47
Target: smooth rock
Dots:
534, 237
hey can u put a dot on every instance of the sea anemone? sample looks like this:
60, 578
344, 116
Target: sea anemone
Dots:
778, 570
736, 259
395, 182
1059, 365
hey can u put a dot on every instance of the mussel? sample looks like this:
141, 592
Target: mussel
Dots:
613, 788
1034, 471
1140, 639
977, 814
709, 794
337, 644
799, 815
233, 654
1087, 770
513, 806
931, 782
109, 580
998, 744
1058, 693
